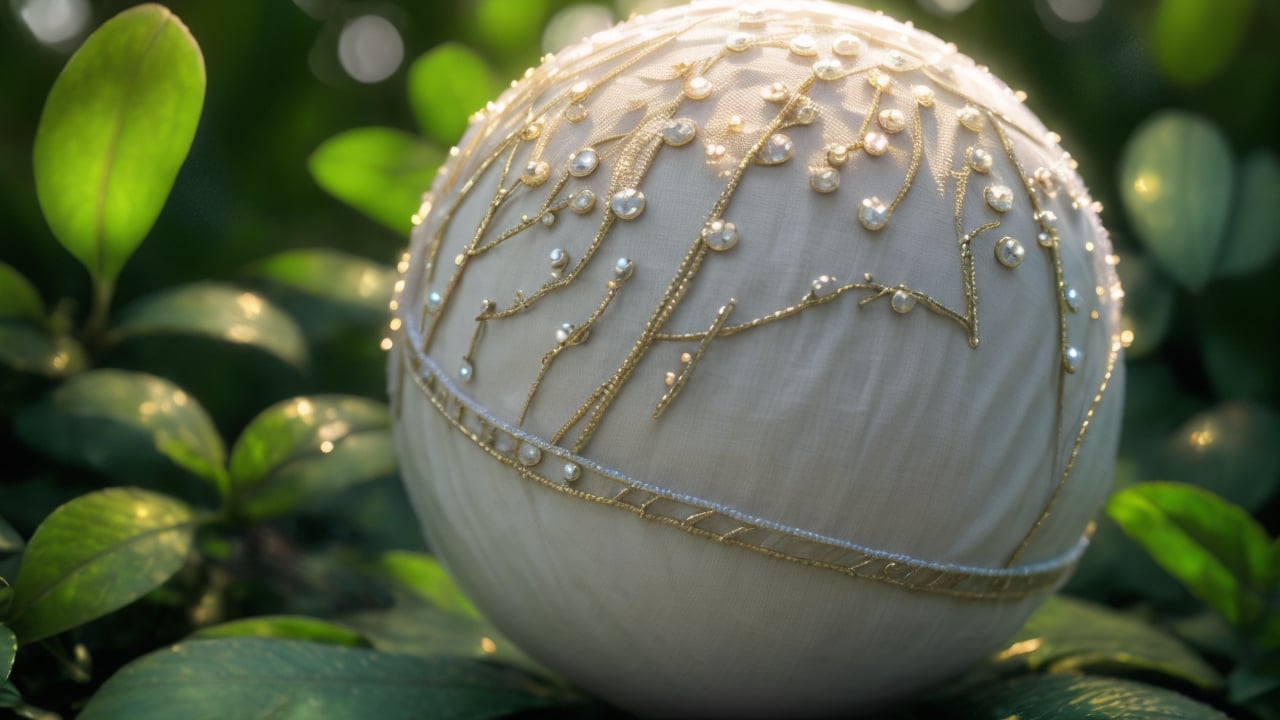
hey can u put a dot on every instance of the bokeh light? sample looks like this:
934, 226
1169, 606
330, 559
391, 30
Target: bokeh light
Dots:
946, 7
370, 48
573, 24
1075, 11
54, 21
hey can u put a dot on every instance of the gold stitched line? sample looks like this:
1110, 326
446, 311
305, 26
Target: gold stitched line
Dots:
721, 316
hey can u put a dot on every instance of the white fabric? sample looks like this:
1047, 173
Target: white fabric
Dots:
847, 420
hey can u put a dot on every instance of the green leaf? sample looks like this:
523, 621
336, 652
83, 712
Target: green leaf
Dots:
255, 677
286, 627
307, 447
446, 85
381, 172
8, 650
1148, 304
220, 312
1213, 547
509, 26
1065, 635
422, 575
115, 130
1232, 450
331, 275
18, 297
1194, 40
9, 695
1176, 178
30, 349
412, 628
1066, 697
1254, 237
10, 541
114, 421
96, 554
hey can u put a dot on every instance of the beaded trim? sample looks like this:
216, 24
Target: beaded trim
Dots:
554, 467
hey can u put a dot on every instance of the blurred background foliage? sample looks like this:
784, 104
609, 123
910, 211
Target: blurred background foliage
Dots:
266, 277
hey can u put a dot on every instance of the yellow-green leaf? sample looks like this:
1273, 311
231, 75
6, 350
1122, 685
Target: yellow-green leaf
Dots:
423, 576
115, 130
286, 627
19, 300
95, 554
1193, 40
446, 85
381, 172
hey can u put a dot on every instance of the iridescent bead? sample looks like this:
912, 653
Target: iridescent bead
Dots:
583, 163
434, 300
970, 117
777, 150
873, 213
979, 160
698, 88
1010, 252
1072, 358
923, 95
627, 203
558, 259
804, 45
847, 45
720, 235
999, 197
876, 144
837, 155
825, 180
466, 371
824, 285
623, 268
571, 472
576, 112
529, 455
777, 92
1072, 298
582, 202
902, 301
892, 121
828, 69
738, 42
679, 131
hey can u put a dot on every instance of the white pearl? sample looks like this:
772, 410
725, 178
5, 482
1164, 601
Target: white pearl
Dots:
698, 88
970, 117
1073, 358
738, 41
923, 95
564, 332
876, 144
434, 300
902, 301
828, 69
1072, 298
583, 162
824, 285
583, 202
979, 160
558, 258
892, 120
466, 371
571, 472
804, 45
529, 455
623, 268
847, 45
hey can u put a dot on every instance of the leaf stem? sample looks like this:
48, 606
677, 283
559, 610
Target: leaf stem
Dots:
96, 325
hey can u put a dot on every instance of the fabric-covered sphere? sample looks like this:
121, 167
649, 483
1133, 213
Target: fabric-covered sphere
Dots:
757, 361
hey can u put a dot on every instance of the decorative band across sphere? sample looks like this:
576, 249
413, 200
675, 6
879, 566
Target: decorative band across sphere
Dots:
757, 361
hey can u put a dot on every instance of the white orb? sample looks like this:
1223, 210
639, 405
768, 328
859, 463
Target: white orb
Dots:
763, 445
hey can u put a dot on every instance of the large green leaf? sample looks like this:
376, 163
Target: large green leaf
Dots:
331, 275
8, 650
379, 171
30, 349
1232, 450
10, 541
1254, 237
1148, 304
1176, 179
97, 554
116, 422
1066, 697
257, 678
221, 312
18, 297
286, 627
116, 127
423, 576
1194, 40
415, 628
446, 85
9, 695
1213, 547
307, 447
1070, 636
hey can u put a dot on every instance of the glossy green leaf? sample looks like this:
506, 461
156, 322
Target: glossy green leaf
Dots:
1194, 40
509, 26
96, 554
115, 130
446, 85
382, 172
306, 447
1232, 450
221, 312
8, 650
113, 421
418, 629
331, 275
1254, 237
19, 299
1148, 304
1213, 547
10, 541
1176, 180
1066, 635
286, 627
255, 677
422, 575
1067, 697
30, 349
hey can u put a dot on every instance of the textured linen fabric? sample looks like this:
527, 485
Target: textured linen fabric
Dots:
847, 420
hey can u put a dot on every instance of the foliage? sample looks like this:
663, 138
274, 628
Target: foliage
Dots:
200, 487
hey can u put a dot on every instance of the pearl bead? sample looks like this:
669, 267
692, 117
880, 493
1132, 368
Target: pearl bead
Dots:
923, 95
679, 131
824, 285
558, 258
999, 197
465, 371
434, 300
720, 235
825, 180
627, 203
777, 150
583, 162
804, 45
571, 472
902, 301
536, 173
876, 144
698, 88
970, 117
828, 69
529, 455
583, 202
623, 268
892, 120
1072, 298
1072, 358
979, 160
847, 45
